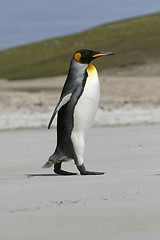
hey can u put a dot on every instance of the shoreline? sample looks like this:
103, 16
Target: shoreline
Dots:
124, 101
121, 116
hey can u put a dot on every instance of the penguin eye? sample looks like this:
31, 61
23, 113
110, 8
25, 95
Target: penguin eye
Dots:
77, 56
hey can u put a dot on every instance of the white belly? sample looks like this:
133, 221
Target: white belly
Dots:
85, 111
87, 104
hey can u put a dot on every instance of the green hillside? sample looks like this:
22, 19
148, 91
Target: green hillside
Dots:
135, 41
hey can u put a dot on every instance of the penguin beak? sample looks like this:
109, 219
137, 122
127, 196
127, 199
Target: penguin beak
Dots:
103, 54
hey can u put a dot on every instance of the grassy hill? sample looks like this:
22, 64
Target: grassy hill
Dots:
135, 41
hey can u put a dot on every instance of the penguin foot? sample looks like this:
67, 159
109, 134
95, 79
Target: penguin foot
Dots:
58, 170
92, 173
83, 171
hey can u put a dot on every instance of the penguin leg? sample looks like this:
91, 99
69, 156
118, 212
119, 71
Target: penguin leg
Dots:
83, 171
79, 146
57, 165
58, 170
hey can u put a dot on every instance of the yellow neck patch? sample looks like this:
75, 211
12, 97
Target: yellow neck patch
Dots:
77, 56
91, 68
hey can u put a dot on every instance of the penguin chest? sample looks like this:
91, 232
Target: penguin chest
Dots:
88, 102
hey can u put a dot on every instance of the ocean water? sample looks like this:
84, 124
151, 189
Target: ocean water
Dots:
22, 22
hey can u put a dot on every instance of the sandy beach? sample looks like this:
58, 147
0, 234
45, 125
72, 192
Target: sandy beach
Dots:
122, 204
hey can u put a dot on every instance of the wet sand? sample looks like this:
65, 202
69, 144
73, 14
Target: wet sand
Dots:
122, 204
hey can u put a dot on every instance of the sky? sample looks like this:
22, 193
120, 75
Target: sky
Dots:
23, 22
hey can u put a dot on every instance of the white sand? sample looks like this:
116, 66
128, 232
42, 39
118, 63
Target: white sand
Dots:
124, 204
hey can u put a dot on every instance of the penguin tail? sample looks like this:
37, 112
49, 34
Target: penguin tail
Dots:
53, 159
48, 164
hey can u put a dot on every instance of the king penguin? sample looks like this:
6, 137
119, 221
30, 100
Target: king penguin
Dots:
76, 110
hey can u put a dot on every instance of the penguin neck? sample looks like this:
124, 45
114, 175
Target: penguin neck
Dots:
91, 68
77, 72
77, 68
77, 65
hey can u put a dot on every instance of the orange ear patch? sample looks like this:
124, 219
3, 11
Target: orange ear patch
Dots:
77, 56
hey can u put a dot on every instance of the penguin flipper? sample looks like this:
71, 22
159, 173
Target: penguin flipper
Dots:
60, 104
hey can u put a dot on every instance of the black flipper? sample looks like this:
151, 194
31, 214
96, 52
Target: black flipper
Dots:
60, 104
83, 171
58, 170
65, 97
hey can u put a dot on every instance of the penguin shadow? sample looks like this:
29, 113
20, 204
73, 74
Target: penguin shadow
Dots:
28, 175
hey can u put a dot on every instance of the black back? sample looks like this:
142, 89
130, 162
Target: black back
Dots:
76, 80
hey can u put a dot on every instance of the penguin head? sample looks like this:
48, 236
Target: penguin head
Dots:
85, 56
